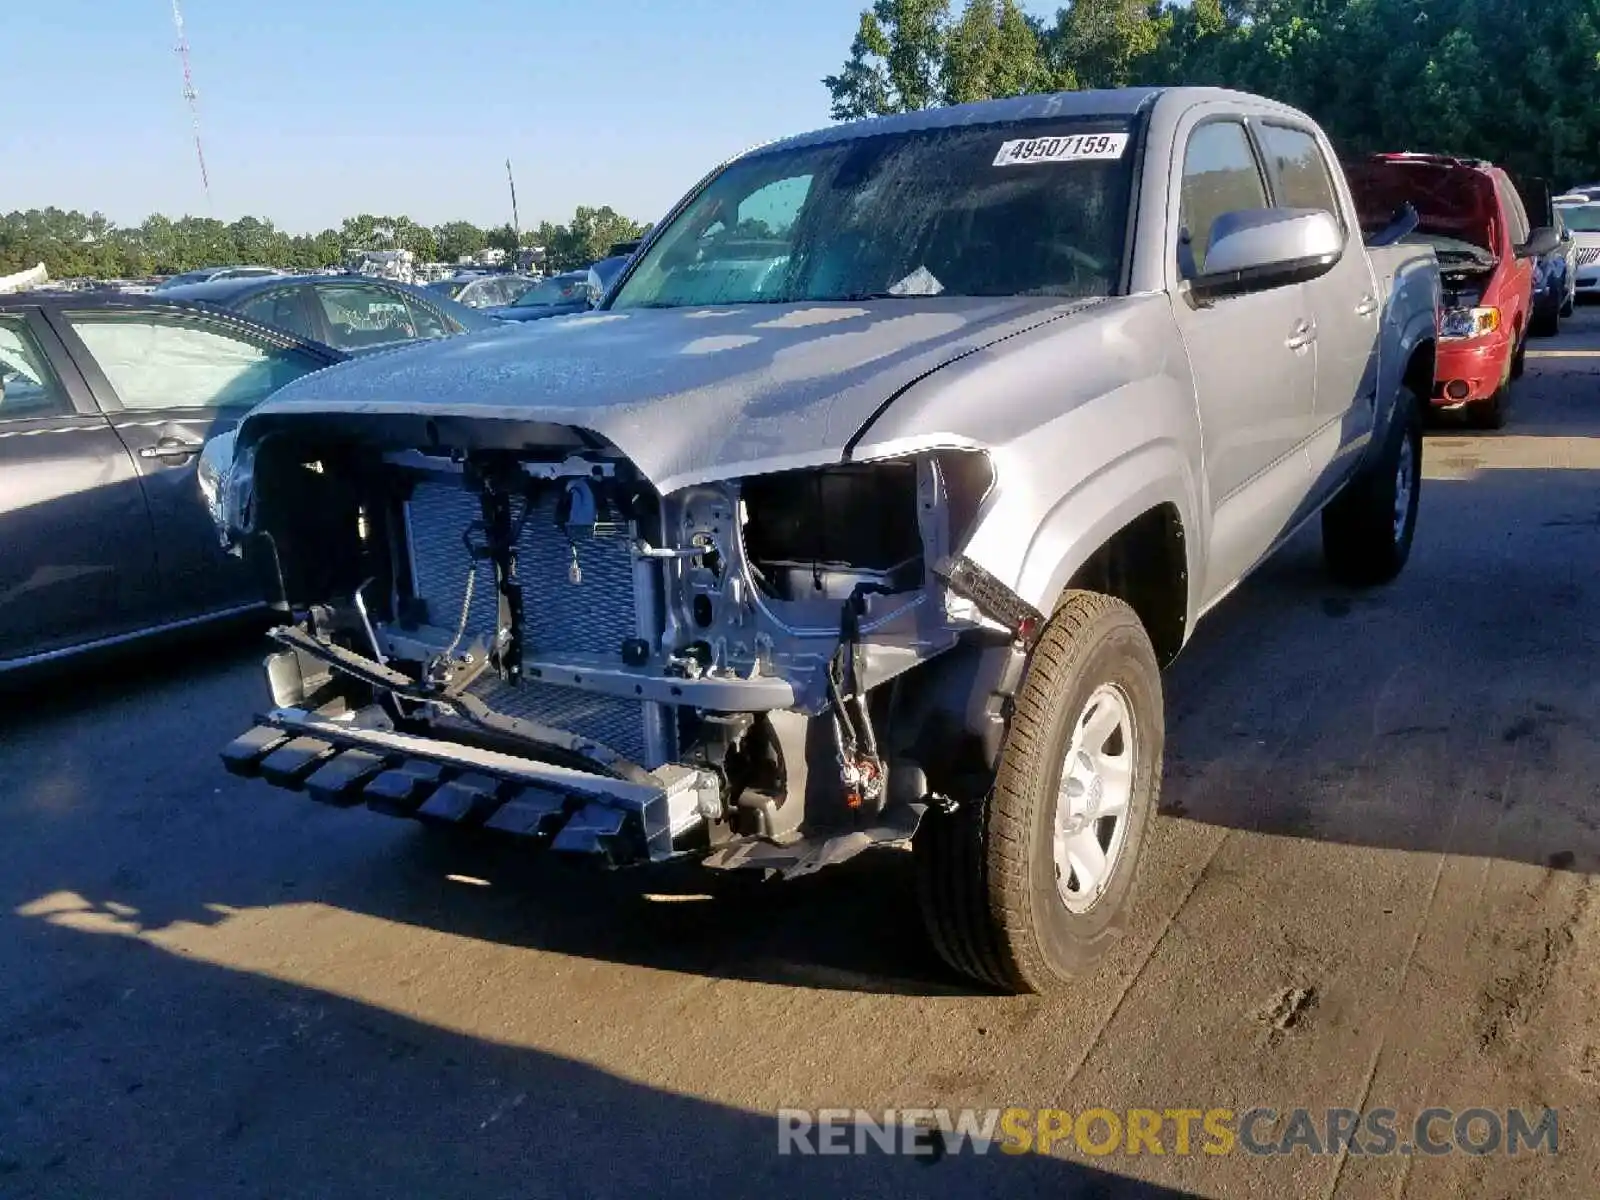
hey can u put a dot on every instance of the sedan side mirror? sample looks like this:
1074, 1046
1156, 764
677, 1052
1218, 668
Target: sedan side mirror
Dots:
1540, 242
1264, 248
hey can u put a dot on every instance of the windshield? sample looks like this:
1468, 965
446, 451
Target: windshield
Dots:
1582, 218
966, 211
448, 287
563, 289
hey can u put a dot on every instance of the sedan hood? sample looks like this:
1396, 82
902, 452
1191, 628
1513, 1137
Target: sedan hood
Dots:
689, 395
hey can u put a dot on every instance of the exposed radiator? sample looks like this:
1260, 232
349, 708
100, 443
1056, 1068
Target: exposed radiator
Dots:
559, 616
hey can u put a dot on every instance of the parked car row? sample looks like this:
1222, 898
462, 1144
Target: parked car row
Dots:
1489, 249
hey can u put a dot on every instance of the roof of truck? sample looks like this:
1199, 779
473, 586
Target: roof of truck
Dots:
1108, 103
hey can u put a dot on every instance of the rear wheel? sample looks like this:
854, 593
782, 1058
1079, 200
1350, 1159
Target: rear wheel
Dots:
1027, 887
1368, 528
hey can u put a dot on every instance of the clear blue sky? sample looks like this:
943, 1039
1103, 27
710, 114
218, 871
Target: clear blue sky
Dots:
313, 110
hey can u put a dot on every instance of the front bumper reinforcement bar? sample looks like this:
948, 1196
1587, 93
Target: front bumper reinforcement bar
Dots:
342, 762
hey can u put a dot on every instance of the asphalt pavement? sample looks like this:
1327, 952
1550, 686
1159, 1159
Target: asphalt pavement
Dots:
1372, 885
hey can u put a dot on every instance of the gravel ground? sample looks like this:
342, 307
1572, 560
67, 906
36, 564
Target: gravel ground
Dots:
1372, 886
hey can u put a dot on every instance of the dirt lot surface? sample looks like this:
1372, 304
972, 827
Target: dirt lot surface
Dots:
1373, 886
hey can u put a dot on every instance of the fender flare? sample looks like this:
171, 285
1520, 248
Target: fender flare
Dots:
1099, 507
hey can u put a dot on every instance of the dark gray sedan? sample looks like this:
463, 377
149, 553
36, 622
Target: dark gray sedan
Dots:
105, 404
353, 313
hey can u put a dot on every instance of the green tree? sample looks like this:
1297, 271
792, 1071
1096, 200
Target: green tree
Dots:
1102, 43
895, 61
458, 238
502, 237
991, 50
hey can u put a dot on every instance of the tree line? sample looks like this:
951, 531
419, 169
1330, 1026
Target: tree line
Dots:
72, 244
1513, 81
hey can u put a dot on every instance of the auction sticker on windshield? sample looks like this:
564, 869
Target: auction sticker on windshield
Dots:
1074, 148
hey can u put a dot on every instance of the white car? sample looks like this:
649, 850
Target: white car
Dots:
1583, 221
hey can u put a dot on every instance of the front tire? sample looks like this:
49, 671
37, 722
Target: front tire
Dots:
1029, 886
1368, 528
1546, 323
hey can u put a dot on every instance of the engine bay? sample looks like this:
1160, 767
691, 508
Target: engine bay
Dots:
548, 602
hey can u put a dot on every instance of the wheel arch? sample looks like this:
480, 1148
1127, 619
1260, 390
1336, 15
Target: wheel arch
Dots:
1128, 531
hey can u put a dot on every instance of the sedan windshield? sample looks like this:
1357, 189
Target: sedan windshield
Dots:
561, 289
1036, 209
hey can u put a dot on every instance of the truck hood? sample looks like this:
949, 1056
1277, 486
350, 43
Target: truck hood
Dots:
690, 394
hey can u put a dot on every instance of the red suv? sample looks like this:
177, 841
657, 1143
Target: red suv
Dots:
1474, 217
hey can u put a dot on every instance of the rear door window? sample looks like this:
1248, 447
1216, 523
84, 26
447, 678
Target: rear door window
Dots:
1304, 180
28, 386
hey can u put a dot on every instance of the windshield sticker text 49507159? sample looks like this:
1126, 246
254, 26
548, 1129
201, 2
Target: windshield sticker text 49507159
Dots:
1074, 148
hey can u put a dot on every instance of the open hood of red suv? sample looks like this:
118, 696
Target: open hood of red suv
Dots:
1453, 198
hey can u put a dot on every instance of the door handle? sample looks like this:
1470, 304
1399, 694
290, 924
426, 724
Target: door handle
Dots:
1305, 332
1367, 306
171, 448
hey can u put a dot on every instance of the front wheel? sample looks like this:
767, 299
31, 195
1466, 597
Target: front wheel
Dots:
1367, 529
1029, 886
1491, 413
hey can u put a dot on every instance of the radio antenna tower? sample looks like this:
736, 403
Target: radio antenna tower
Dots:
191, 96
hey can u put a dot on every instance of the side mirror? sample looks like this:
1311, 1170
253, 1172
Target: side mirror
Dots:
1540, 242
1269, 247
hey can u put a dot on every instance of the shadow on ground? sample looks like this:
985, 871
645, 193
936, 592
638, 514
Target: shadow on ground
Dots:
152, 1075
1450, 711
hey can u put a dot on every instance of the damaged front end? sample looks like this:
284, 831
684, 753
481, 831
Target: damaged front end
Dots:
504, 625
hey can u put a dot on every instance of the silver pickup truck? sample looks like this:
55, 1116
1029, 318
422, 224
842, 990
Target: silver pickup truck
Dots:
864, 510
